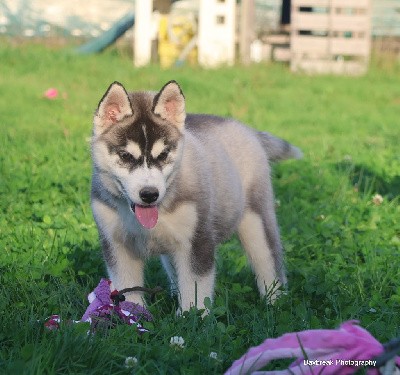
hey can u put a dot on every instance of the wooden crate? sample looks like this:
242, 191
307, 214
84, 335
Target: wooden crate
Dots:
330, 36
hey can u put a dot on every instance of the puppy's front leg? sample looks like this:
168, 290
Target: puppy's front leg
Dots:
124, 268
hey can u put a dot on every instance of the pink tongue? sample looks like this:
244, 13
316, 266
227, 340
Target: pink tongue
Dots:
147, 216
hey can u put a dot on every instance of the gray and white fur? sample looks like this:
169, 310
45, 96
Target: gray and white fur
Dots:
176, 185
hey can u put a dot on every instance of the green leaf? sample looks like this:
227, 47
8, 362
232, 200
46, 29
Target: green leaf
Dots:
27, 352
207, 303
221, 327
47, 219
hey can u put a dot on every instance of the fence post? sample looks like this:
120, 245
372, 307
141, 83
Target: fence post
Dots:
142, 39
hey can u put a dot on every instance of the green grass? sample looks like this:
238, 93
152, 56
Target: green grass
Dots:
342, 250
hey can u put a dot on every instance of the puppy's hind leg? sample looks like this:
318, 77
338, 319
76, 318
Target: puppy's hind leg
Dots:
171, 273
259, 235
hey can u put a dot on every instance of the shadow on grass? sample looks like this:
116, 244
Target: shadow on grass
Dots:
368, 181
86, 261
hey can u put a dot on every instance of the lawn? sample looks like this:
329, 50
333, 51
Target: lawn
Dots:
342, 245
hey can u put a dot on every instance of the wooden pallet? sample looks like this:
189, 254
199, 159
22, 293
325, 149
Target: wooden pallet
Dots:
330, 36
386, 18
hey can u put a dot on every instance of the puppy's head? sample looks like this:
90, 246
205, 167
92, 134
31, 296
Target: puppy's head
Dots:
136, 144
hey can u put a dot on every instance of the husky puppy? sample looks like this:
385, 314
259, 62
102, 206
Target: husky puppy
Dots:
176, 185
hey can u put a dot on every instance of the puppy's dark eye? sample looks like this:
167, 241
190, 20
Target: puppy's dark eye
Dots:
163, 156
126, 157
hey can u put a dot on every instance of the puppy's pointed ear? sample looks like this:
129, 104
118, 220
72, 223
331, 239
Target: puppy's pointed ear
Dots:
169, 104
114, 106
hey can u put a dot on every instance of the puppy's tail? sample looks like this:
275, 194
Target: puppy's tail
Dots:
278, 149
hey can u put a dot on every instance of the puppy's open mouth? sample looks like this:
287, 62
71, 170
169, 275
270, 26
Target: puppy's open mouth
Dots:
146, 215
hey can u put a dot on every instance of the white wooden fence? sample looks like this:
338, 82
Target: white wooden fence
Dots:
330, 36
386, 18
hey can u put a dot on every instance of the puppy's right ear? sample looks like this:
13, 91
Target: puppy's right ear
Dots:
114, 106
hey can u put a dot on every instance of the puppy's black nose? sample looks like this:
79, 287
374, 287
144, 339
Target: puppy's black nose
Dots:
149, 194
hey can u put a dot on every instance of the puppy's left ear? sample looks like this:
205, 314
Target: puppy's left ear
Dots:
169, 104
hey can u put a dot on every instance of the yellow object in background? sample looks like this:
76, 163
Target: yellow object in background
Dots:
174, 34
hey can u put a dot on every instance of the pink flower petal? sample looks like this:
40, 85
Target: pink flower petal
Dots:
51, 93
